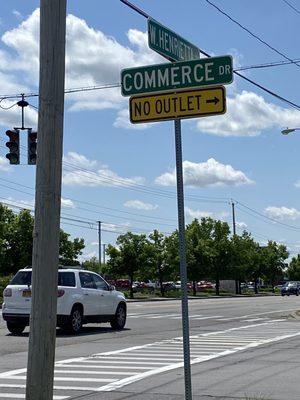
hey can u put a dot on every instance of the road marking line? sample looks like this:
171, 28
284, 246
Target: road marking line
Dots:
121, 362
213, 317
135, 378
61, 378
91, 372
160, 355
101, 366
79, 388
145, 358
204, 347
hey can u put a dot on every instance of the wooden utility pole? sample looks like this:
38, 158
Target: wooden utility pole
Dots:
41, 353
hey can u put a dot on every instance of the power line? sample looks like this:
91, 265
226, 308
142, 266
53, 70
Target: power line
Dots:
265, 217
265, 65
251, 33
291, 6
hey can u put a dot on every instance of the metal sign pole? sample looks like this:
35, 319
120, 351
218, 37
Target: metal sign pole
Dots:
182, 254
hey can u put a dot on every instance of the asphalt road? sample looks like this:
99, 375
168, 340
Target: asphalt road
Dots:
241, 348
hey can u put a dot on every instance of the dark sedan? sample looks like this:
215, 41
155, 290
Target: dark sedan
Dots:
290, 288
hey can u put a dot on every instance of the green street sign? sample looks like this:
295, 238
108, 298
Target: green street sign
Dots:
169, 44
181, 75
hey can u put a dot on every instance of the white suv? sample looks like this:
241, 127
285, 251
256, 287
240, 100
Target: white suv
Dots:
82, 297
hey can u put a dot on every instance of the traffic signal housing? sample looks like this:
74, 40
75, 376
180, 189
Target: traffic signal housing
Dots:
14, 146
31, 148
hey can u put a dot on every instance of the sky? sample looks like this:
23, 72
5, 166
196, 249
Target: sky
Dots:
123, 174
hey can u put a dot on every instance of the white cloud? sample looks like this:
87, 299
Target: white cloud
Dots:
87, 256
10, 114
20, 203
92, 59
122, 228
282, 213
67, 203
79, 160
140, 205
241, 224
198, 214
4, 164
123, 121
297, 184
248, 114
207, 174
92, 174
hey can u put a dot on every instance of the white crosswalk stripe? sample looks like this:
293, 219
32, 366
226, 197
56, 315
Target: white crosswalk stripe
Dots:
196, 317
112, 370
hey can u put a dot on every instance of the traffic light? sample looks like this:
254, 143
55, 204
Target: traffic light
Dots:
32, 137
14, 146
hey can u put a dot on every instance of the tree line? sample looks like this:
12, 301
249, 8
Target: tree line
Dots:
16, 239
212, 254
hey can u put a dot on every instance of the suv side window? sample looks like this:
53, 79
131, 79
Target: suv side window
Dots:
66, 279
87, 280
100, 283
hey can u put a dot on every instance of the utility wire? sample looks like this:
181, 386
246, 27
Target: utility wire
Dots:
251, 33
291, 6
265, 217
265, 65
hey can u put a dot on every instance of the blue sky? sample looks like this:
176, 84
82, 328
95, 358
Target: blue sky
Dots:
122, 174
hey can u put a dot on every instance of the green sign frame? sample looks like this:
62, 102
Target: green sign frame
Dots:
210, 71
169, 44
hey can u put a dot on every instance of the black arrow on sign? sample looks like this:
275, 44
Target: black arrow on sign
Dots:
215, 100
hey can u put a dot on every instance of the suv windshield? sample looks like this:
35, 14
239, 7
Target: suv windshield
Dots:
24, 278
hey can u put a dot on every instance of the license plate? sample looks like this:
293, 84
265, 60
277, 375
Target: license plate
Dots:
26, 293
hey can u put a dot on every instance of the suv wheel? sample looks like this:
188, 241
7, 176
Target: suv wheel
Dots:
15, 328
75, 321
119, 320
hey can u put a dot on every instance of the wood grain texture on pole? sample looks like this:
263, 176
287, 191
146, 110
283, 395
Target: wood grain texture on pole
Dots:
41, 353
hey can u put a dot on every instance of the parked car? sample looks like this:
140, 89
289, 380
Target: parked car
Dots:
177, 285
169, 286
291, 287
203, 285
123, 283
150, 284
82, 297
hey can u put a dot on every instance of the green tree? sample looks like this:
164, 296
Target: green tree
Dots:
131, 256
243, 255
92, 264
171, 259
157, 241
198, 249
220, 252
69, 250
293, 270
7, 218
272, 261
18, 241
